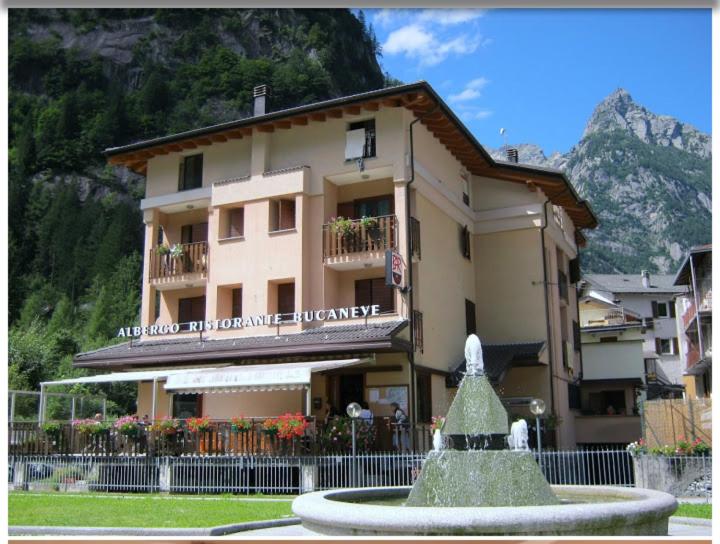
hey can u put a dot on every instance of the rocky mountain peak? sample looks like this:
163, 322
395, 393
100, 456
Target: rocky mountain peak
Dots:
618, 111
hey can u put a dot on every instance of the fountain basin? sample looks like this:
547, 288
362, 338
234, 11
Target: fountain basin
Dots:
586, 510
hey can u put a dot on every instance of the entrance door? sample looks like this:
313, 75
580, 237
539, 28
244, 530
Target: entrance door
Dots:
350, 390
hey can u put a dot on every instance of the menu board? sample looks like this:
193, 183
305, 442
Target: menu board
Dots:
380, 399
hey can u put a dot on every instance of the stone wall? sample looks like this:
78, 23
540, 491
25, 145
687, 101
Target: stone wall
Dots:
681, 476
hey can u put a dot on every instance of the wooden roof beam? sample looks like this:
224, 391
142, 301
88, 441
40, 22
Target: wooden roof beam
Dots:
187, 144
218, 138
203, 141
352, 110
300, 121
391, 102
234, 134
319, 117
371, 106
284, 124
265, 128
335, 113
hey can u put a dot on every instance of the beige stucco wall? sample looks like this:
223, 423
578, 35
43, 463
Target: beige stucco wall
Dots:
614, 360
144, 400
510, 302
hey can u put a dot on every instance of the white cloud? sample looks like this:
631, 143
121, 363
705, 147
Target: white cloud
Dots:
471, 91
428, 35
450, 16
482, 114
415, 41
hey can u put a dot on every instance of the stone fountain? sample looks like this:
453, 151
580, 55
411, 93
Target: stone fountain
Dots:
476, 486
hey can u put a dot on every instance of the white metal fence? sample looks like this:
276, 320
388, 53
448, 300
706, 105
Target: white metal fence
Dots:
284, 475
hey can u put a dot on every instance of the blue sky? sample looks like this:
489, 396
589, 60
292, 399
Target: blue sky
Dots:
540, 73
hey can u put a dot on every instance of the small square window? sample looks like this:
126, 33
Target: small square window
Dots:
360, 140
286, 298
236, 223
662, 309
282, 214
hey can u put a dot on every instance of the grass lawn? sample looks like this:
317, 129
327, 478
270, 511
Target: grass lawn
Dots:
694, 511
141, 510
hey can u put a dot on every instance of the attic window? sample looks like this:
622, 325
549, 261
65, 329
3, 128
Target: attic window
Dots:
360, 140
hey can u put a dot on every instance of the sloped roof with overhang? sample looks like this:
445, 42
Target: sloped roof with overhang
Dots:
419, 97
320, 341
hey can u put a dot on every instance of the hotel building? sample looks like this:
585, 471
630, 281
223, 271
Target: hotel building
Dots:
265, 283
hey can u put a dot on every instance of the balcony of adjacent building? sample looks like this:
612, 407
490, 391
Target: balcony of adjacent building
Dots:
361, 223
613, 316
179, 255
703, 307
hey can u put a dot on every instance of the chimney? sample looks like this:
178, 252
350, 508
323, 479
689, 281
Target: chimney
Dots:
261, 94
645, 275
512, 154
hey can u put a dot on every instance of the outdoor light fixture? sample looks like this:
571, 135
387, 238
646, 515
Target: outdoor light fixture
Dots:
537, 407
353, 410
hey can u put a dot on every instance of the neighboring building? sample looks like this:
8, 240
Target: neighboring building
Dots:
694, 322
629, 353
254, 269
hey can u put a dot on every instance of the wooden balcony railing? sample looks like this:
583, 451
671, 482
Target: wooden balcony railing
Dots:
194, 259
222, 438
358, 237
689, 314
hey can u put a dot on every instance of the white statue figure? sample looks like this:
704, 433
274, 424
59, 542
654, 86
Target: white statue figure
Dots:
474, 365
518, 437
437, 440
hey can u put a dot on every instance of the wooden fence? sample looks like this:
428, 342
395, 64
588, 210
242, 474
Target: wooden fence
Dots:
665, 421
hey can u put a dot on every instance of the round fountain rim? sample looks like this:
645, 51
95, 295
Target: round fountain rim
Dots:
322, 512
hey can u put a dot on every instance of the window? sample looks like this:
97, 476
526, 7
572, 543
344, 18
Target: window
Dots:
360, 140
374, 291
160, 235
424, 397
470, 326
663, 309
577, 342
190, 234
465, 242
191, 309
575, 270
236, 223
607, 402
156, 309
415, 238
376, 206
282, 214
186, 405
190, 172
573, 397
562, 285
286, 298
237, 302
667, 346
465, 188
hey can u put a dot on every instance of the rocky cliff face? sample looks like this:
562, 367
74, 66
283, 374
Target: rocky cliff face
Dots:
647, 178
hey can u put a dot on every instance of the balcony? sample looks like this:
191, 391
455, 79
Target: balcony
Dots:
602, 317
353, 244
182, 262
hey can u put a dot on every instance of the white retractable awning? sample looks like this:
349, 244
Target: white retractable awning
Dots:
271, 377
139, 376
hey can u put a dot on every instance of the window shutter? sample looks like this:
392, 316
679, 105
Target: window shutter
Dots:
198, 309
675, 346
237, 222
654, 308
383, 295
575, 270
181, 176
237, 302
470, 324
671, 305
363, 292
286, 298
658, 345
287, 214
186, 234
200, 232
465, 242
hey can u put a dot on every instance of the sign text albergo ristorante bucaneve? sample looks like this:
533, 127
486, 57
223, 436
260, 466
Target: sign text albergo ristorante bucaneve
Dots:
352, 312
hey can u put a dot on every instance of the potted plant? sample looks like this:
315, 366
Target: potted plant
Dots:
199, 424
127, 426
240, 424
270, 427
176, 251
166, 426
91, 427
52, 428
162, 250
290, 425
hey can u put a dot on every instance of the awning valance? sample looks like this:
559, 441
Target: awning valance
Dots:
269, 377
139, 376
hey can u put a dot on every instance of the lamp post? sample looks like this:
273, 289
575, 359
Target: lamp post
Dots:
353, 410
537, 407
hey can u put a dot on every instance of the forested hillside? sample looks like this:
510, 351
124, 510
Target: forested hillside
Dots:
84, 80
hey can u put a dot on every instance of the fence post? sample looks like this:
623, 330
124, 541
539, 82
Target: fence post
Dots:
19, 482
308, 475
165, 475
